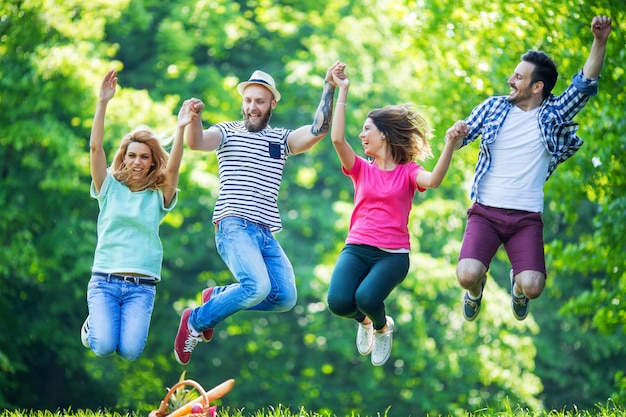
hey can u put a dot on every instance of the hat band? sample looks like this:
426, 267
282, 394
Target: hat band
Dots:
255, 80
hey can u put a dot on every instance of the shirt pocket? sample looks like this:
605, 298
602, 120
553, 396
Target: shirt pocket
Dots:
274, 150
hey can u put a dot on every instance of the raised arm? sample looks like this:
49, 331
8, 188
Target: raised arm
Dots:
433, 179
97, 156
197, 138
344, 151
186, 115
601, 29
303, 138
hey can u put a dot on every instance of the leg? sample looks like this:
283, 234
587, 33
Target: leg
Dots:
103, 300
137, 306
530, 284
348, 273
471, 273
351, 267
480, 243
239, 244
283, 294
387, 272
526, 253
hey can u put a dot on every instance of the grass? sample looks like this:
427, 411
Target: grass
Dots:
607, 410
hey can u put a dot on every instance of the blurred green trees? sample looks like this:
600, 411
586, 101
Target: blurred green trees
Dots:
443, 56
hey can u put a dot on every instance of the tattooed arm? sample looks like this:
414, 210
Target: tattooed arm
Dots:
303, 138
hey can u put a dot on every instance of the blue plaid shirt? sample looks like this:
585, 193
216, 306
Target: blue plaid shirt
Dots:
558, 132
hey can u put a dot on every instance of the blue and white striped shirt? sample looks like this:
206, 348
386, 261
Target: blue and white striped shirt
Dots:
558, 132
250, 169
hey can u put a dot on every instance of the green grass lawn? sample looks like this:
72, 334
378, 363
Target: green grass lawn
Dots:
607, 410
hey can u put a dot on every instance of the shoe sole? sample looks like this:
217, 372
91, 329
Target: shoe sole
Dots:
84, 334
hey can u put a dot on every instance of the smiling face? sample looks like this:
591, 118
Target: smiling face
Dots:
138, 159
256, 107
522, 91
372, 139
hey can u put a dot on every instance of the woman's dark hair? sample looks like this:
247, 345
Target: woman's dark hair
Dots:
405, 130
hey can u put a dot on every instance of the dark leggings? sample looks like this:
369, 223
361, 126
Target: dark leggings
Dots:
363, 278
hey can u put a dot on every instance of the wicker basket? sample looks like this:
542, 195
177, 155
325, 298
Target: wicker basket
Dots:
204, 400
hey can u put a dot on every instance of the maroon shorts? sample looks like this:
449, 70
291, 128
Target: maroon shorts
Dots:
521, 233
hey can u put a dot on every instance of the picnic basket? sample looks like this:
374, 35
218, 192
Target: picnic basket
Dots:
203, 400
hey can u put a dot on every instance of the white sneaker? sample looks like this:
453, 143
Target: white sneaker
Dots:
382, 344
365, 338
84, 333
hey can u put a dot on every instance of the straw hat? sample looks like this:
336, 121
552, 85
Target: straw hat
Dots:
260, 78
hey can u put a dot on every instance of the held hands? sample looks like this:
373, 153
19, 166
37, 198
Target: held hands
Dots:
457, 132
340, 79
330, 71
108, 87
601, 27
188, 113
195, 104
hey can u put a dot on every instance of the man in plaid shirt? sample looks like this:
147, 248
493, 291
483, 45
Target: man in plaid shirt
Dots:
524, 137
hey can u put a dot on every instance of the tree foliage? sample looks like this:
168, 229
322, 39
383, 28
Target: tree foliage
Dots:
445, 57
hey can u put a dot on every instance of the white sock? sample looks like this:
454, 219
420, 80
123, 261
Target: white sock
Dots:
474, 298
193, 331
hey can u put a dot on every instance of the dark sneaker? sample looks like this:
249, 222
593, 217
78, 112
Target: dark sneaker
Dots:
364, 338
471, 308
185, 342
84, 333
520, 305
207, 335
382, 344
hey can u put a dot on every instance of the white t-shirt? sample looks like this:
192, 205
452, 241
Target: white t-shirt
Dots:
519, 165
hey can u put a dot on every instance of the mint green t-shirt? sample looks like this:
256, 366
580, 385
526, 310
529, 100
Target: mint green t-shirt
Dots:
128, 229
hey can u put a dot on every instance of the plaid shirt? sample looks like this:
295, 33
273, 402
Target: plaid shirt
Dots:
558, 132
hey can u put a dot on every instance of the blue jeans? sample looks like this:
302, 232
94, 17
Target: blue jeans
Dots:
362, 279
119, 316
264, 275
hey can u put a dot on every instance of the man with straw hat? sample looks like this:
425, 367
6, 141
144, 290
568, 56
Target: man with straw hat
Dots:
251, 156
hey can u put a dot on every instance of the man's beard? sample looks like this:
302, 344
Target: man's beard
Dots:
522, 94
260, 123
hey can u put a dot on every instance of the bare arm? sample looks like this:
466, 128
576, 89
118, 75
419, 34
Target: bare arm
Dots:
433, 179
303, 138
186, 115
197, 138
346, 154
97, 157
601, 29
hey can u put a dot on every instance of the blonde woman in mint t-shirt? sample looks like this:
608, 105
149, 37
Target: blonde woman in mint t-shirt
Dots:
375, 258
134, 195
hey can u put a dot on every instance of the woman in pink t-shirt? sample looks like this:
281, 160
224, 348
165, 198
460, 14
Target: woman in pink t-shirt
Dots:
375, 258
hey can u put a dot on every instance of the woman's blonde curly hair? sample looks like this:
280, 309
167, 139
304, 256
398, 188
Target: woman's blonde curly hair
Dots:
156, 176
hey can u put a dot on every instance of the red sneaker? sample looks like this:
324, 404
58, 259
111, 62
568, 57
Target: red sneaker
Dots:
207, 335
185, 342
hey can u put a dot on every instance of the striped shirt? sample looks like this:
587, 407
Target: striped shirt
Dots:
558, 132
250, 169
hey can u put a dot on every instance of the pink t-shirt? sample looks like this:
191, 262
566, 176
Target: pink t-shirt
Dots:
382, 203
